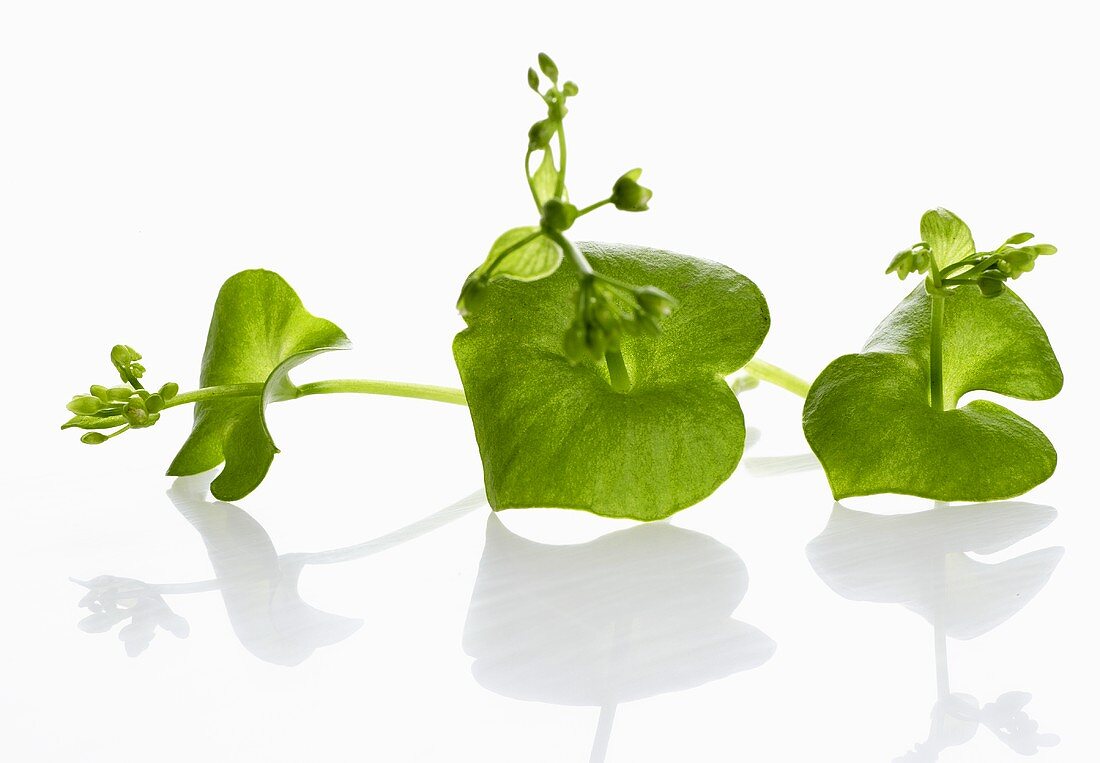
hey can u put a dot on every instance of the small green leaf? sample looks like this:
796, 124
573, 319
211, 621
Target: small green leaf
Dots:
533, 80
553, 433
259, 332
545, 179
530, 262
869, 420
948, 237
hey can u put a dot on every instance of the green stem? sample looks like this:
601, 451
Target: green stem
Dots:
531, 180
579, 261
616, 368
213, 393
331, 386
592, 207
559, 191
394, 389
765, 371
935, 354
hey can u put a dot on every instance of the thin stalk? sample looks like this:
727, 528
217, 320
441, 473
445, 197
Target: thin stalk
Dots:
559, 190
592, 207
579, 261
935, 353
331, 386
766, 372
394, 389
212, 393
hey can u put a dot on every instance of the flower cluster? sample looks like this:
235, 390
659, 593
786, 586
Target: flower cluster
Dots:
129, 406
607, 310
986, 270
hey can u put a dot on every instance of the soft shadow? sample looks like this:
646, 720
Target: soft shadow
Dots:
258, 585
922, 562
632, 614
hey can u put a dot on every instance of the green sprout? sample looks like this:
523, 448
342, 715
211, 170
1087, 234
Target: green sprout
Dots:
606, 308
888, 419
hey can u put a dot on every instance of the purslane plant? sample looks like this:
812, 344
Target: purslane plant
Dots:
599, 387
886, 420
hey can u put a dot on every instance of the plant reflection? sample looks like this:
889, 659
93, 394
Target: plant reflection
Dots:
632, 614
921, 561
258, 585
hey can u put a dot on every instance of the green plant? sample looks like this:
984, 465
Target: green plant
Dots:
886, 420
586, 389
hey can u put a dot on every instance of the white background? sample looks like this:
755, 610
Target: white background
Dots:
371, 155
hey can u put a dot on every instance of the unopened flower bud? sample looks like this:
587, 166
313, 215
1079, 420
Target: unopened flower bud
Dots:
628, 195
549, 68
85, 405
558, 215
93, 438
654, 301
120, 394
540, 134
135, 412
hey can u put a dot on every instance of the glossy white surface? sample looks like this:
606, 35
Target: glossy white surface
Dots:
359, 605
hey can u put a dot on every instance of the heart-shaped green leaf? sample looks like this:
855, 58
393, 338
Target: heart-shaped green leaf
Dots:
869, 420
555, 434
259, 332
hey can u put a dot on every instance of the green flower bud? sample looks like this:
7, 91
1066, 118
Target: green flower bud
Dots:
169, 390
94, 438
628, 196
549, 68
100, 391
120, 394
654, 301
570, 88
558, 215
135, 413
991, 287
607, 320
1019, 238
533, 80
575, 349
596, 341
85, 405
122, 355
154, 403
540, 134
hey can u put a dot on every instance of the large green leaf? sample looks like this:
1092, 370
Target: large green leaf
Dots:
869, 419
555, 434
259, 332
